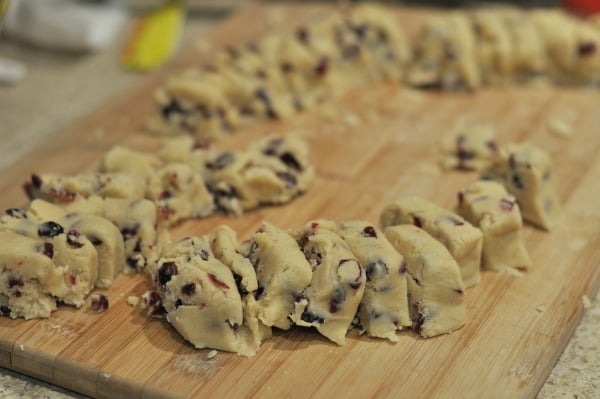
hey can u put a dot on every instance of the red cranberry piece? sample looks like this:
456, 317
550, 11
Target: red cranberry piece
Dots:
47, 249
72, 279
417, 221
506, 205
418, 315
166, 271
288, 179
172, 108
461, 197
217, 282
203, 254
492, 146
36, 181
312, 318
129, 231
272, 146
314, 225
286, 67
517, 181
402, 268
62, 195
302, 35
99, 302
585, 49
15, 282
337, 300
17, 213
290, 161
189, 289
322, 67
369, 231
95, 240
74, 239
50, 229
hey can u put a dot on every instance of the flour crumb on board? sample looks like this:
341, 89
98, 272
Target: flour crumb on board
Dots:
133, 300
196, 364
22, 347
351, 120
106, 376
211, 354
586, 302
561, 123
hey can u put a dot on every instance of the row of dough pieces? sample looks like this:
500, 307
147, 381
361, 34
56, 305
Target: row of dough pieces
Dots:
524, 169
334, 276
280, 75
187, 181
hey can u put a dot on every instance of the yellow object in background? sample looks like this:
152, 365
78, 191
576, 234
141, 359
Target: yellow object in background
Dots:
155, 38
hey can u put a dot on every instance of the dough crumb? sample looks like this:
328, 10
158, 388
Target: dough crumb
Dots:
133, 300
540, 309
586, 302
560, 127
211, 354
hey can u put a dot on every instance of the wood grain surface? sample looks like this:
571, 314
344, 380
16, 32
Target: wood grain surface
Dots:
369, 147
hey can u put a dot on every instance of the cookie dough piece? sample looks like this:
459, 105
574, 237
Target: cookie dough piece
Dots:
463, 241
292, 151
140, 222
527, 173
469, 147
446, 55
528, 58
71, 252
57, 188
202, 302
488, 206
244, 180
104, 235
435, 289
180, 193
281, 270
572, 49
224, 244
494, 47
383, 309
332, 299
30, 282
124, 160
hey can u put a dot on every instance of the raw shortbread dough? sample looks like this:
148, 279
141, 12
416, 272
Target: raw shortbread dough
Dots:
139, 221
446, 55
280, 75
71, 252
180, 193
469, 147
224, 244
57, 188
487, 205
282, 272
494, 47
331, 300
201, 299
527, 173
383, 308
463, 241
104, 235
124, 160
435, 289
30, 281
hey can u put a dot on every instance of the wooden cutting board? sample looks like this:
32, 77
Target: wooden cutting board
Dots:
369, 147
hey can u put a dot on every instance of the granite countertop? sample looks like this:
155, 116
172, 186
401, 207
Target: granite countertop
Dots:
28, 112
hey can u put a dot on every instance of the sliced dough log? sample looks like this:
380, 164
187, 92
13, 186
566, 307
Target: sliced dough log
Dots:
435, 289
331, 300
463, 241
282, 273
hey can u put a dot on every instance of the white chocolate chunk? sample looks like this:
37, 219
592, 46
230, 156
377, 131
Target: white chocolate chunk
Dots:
435, 289
282, 273
526, 172
384, 306
332, 299
104, 235
488, 206
201, 299
463, 241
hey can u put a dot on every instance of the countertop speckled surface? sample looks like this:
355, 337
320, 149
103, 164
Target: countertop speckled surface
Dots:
26, 116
